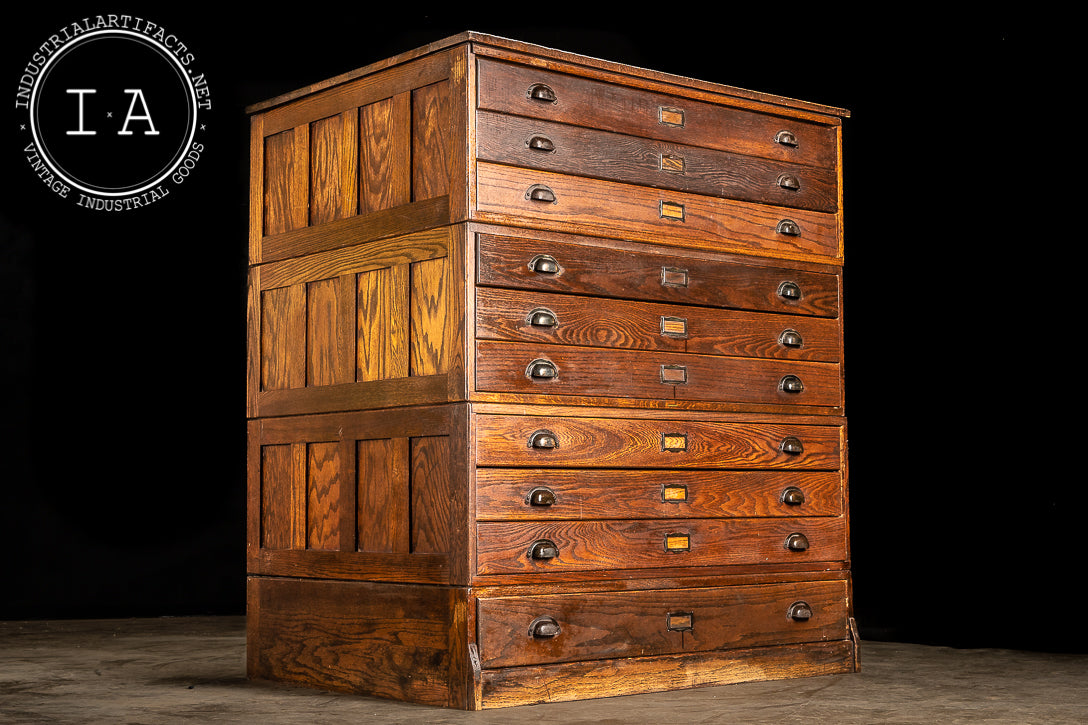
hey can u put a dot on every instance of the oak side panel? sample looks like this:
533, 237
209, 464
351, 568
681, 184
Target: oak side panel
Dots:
323, 487
432, 495
333, 160
430, 141
429, 309
283, 338
277, 504
385, 151
384, 495
382, 324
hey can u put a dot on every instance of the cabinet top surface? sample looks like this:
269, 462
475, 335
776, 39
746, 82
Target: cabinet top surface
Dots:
482, 41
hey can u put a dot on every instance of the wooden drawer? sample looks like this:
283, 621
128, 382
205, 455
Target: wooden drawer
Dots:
512, 195
526, 547
590, 322
537, 441
520, 90
585, 626
506, 494
530, 368
590, 269
582, 151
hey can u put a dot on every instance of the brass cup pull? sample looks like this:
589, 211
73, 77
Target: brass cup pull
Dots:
544, 628
788, 227
789, 182
543, 550
791, 338
542, 317
796, 542
791, 384
789, 291
544, 264
786, 138
542, 144
799, 612
539, 192
541, 93
541, 496
793, 496
543, 440
791, 445
542, 370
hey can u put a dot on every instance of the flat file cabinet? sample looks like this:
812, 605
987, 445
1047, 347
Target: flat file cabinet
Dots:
545, 386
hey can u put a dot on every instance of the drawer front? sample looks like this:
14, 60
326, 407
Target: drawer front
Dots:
527, 368
508, 494
508, 194
568, 627
528, 547
582, 151
569, 267
537, 93
537, 441
592, 322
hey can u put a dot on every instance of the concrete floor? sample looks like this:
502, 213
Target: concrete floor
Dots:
192, 670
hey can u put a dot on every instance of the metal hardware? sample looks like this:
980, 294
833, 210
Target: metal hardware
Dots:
541, 92
543, 549
540, 369
788, 227
545, 264
539, 192
541, 496
791, 445
674, 442
796, 542
791, 338
799, 612
789, 182
671, 164
543, 440
540, 143
674, 374
678, 542
789, 291
680, 621
674, 326
674, 277
544, 628
671, 210
670, 116
674, 493
793, 496
786, 138
542, 317
791, 384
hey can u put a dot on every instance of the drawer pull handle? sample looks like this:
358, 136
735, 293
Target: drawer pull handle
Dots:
793, 496
542, 370
544, 628
542, 93
789, 291
541, 496
542, 144
539, 192
543, 550
791, 384
542, 317
791, 445
791, 338
680, 621
788, 227
543, 440
786, 138
799, 612
797, 542
545, 264
789, 182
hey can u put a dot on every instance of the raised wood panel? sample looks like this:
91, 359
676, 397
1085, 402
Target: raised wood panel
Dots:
333, 163
329, 341
384, 495
431, 141
283, 338
323, 488
382, 324
385, 150
432, 495
429, 316
286, 180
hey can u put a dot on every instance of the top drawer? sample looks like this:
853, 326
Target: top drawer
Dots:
526, 91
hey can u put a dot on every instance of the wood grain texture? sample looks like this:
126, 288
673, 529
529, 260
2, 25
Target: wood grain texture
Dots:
502, 441
433, 495
502, 494
429, 314
385, 153
503, 548
333, 167
598, 268
283, 338
431, 141
384, 495
323, 486
631, 624
607, 207
382, 324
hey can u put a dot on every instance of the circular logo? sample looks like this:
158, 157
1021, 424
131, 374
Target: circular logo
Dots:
114, 112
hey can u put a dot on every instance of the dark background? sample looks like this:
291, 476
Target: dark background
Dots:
123, 462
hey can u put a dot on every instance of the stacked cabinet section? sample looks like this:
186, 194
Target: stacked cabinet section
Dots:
545, 386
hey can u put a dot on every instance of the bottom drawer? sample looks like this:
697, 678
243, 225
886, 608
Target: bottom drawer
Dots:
526, 630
